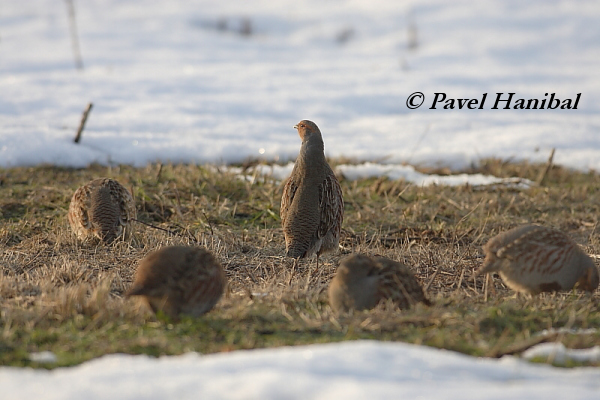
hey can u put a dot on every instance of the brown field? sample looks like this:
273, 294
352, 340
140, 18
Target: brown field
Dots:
65, 296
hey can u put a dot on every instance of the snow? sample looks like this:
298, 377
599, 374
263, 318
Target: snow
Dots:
347, 370
409, 174
177, 81
559, 354
43, 357
393, 171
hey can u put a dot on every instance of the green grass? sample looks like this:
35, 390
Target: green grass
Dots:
60, 295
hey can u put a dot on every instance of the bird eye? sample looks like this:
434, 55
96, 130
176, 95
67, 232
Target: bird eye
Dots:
302, 126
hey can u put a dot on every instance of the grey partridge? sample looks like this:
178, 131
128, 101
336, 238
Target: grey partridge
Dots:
103, 209
532, 259
361, 282
312, 207
179, 280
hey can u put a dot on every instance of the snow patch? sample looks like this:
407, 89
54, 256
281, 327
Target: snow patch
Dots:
557, 353
348, 370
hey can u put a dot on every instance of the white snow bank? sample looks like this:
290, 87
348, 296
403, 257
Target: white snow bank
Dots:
176, 81
347, 370
559, 354
409, 174
406, 173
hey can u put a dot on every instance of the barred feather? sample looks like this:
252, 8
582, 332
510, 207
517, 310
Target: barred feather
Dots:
534, 259
312, 207
361, 282
103, 209
179, 280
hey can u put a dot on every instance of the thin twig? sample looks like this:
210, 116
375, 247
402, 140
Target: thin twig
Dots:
412, 41
156, 227
208, 222
485, 287
84, 118
431, 279
592, 232
460, 279
542, 176
524, 345
293, 272
189, 234
74, 35
160, 168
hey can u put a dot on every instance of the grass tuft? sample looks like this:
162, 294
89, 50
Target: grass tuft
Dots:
64, 296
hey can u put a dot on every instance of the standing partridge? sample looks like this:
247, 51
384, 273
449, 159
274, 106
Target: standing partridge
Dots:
312, 208
179, 280
361, 282
532, 259
102, 208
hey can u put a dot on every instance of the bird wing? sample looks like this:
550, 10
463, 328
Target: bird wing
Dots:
121, 196
78, 211
331, 206
533, 241
521, 245
289, 190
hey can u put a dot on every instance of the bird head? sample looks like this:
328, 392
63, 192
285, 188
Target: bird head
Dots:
590, 279
308, 130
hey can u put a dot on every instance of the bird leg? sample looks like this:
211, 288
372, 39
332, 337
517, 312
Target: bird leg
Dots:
293, 270
492, 285
485, 287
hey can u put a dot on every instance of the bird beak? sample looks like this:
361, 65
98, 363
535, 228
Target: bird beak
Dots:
295, 126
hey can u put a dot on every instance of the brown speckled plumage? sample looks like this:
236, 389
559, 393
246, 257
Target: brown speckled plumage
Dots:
179, 280
102, 208
312, 208
361, 282
532, 259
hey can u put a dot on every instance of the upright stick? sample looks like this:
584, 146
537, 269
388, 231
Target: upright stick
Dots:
84, 118
74, 35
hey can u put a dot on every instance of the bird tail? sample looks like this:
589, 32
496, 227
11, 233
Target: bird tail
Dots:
296, 253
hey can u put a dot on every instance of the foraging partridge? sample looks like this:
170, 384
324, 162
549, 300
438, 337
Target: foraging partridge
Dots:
361, 282
532, 259
312, 208
179, 280
102, 208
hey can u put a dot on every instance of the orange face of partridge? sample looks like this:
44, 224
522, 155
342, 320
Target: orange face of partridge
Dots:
306, 129
590, 280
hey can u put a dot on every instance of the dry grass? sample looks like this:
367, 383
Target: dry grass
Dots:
61, 295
